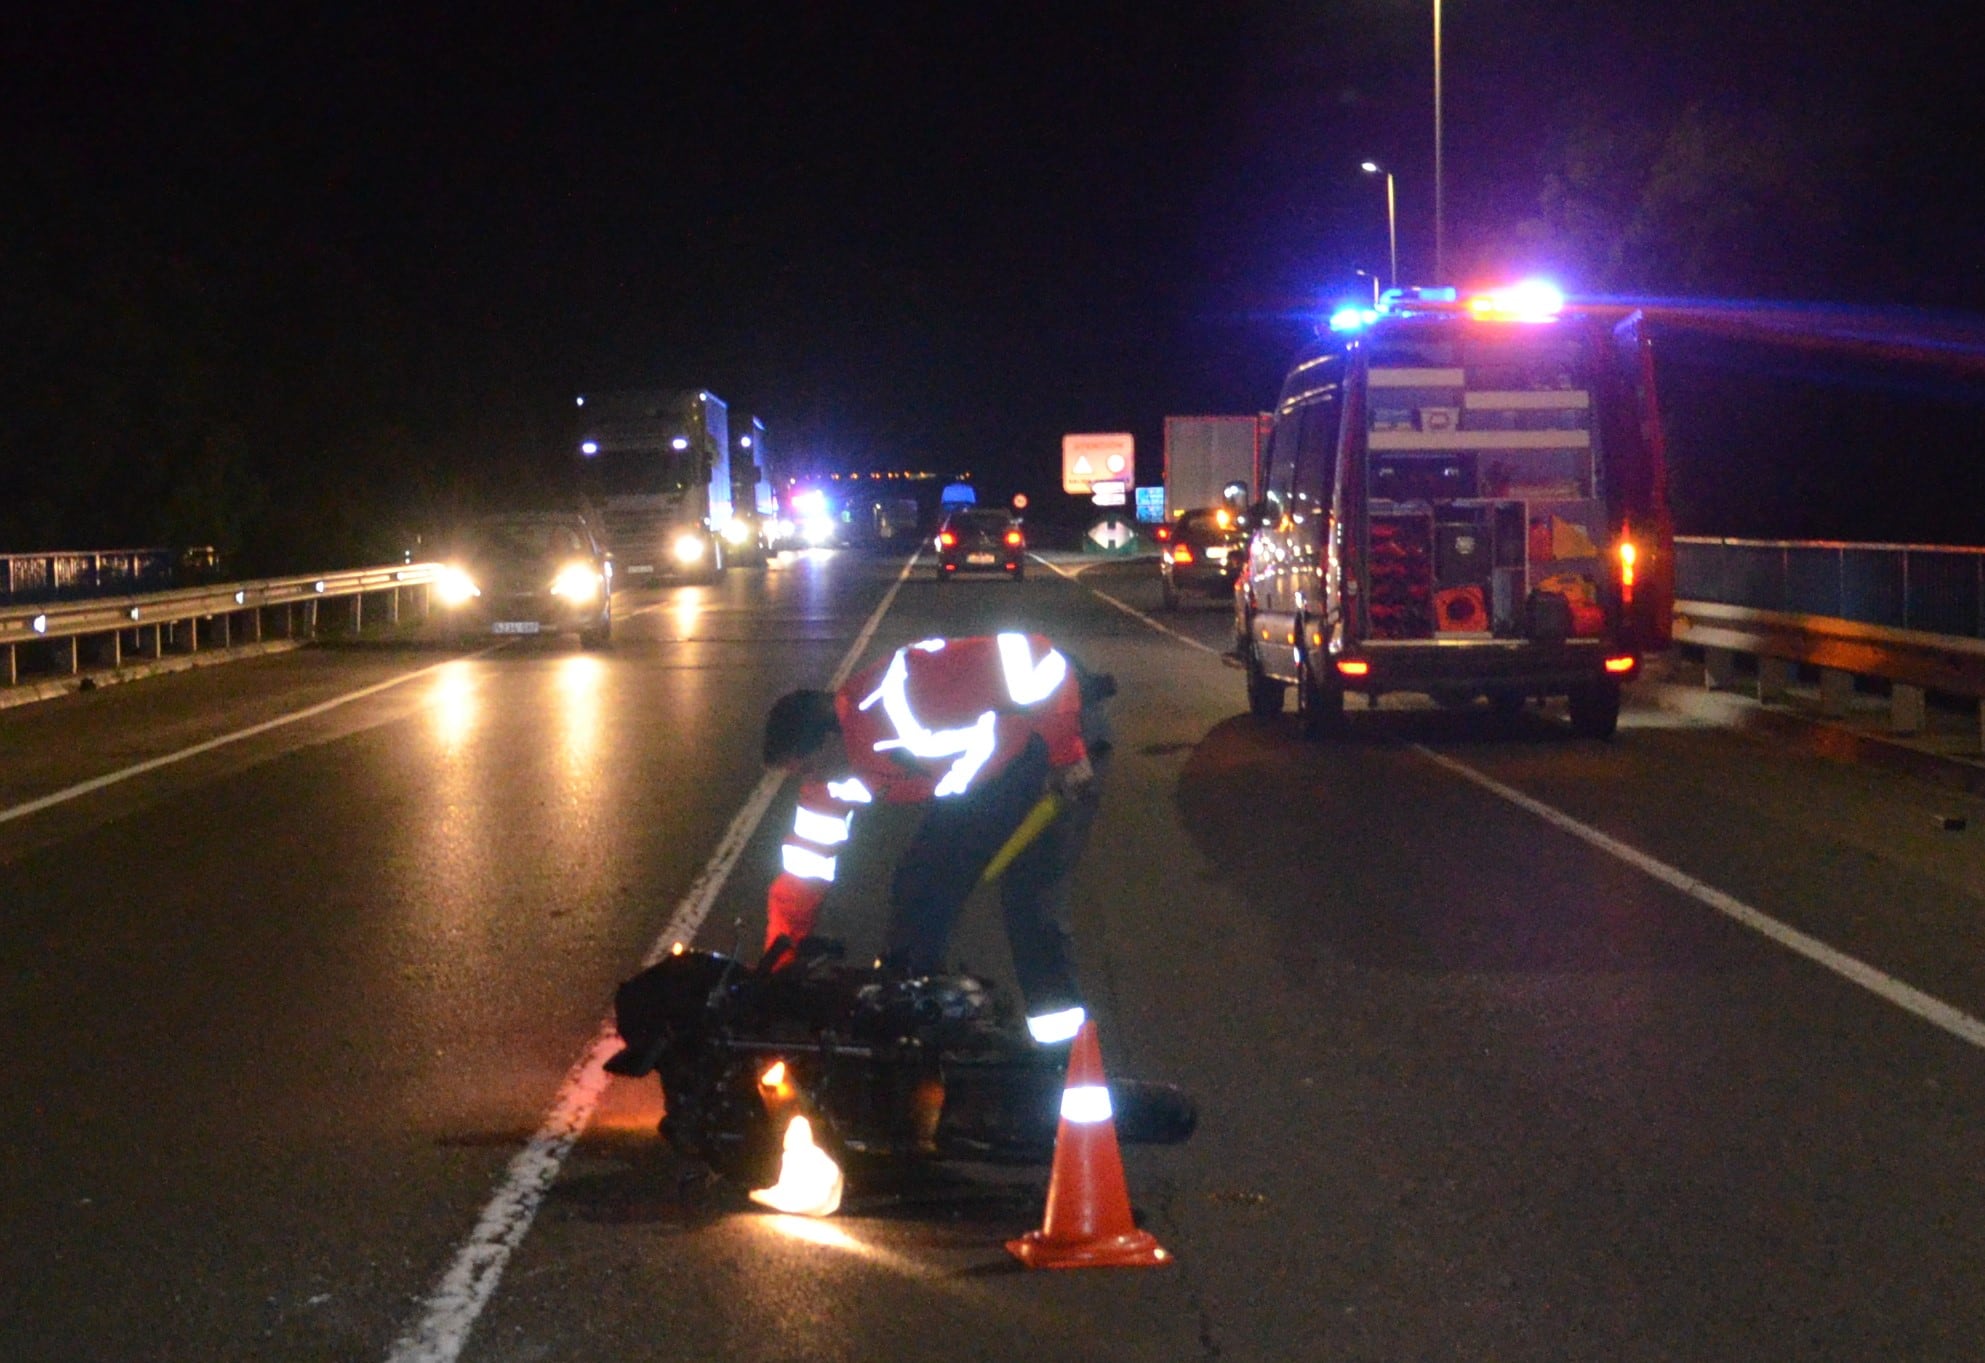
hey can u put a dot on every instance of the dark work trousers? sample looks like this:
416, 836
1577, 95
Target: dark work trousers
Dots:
943, 863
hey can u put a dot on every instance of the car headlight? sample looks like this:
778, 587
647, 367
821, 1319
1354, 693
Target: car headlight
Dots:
688, 548
455, 587
736, 531
817, 529
576, 582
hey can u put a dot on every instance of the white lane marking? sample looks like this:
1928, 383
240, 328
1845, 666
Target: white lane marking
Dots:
95, 783
1932, 1010
1128, 609
450, 1311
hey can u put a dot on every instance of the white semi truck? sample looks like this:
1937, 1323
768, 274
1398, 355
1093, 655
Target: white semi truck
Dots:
657, 466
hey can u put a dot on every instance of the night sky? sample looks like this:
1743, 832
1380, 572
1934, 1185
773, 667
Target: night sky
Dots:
249, 250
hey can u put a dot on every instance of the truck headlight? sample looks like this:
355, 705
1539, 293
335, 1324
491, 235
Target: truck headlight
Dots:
689, 548
576, 582
455, 587
736, 531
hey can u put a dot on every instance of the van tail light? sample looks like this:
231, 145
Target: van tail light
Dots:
1620, 666
1014, 538
1181, 553
1628, 555
1354, 667
946, 540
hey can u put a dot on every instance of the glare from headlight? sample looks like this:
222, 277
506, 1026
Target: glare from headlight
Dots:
736, 531
576, 582
455, 587
688, 548
817, 529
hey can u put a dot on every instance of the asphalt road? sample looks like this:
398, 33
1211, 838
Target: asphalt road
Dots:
1508, 1045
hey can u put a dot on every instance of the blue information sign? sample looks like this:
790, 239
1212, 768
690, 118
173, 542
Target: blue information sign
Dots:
1150, 504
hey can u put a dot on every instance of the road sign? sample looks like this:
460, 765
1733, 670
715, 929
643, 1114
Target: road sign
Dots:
1150, 505
1090, 459
1107, 492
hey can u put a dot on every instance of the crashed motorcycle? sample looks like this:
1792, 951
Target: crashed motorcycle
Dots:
783, 1079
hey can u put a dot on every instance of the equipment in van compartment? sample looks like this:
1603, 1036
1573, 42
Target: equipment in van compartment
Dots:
1400, 569
1461, 610
1422, 477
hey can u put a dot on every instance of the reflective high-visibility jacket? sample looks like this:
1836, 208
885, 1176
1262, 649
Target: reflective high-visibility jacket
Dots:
932, 721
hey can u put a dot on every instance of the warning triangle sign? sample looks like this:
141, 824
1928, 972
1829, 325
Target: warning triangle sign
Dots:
1082, 468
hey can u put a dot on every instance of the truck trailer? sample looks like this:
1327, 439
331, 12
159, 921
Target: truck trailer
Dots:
1205, 456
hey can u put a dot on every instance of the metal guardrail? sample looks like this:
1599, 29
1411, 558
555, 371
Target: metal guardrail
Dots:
1912, 615
58, 634
1933, 588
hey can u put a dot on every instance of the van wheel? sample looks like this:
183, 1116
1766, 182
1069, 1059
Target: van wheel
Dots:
1264, 692
1595, 709
1319, 704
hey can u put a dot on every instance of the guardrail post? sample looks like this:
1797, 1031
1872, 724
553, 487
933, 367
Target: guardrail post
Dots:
358, 612
75, 661
14, 673
1836, 691
224, 626
1774, 679
116, 649
1906, 708
1719, 668
393, 606
310, 618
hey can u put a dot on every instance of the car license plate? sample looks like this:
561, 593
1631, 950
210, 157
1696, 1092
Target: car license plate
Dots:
981, 558
633, 569
1217, 552
514, 627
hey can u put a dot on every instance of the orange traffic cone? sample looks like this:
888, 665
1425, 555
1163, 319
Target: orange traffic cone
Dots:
1088, 1224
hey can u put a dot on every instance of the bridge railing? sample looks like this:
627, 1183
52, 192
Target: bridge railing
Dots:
61, 638
1912, 615
75, 574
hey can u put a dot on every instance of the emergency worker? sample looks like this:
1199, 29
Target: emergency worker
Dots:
980, 730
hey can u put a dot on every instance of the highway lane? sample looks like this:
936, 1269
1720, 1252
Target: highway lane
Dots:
1474, 1087
284, 1008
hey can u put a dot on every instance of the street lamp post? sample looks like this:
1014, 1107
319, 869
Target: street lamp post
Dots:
1440, 225
1391, 218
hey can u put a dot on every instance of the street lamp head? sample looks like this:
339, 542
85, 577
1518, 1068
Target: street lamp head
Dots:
1373, 168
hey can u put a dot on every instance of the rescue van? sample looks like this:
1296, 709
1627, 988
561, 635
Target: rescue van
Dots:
1462, 497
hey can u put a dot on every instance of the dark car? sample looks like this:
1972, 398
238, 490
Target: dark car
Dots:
981, 541
1202, 552
538, 572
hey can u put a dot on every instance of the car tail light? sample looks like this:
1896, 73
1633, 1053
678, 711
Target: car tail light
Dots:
1618, 666
946, 539
1013, 537
1181, 553
1161, 533
1354, 667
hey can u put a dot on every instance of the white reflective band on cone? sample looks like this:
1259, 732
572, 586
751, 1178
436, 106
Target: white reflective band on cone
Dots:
806, 863
1049, 1028
815, 826
1086, 1104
